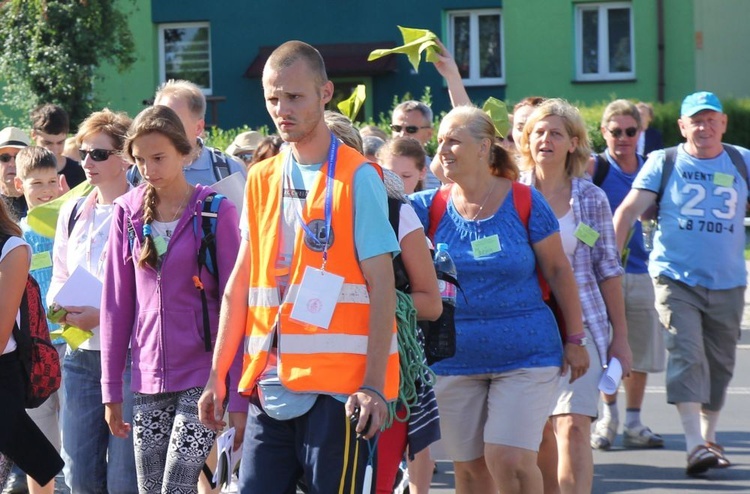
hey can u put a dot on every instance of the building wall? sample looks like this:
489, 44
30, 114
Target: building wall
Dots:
126, 92
722, 47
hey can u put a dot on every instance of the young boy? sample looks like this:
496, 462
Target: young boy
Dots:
36, 179
49, 128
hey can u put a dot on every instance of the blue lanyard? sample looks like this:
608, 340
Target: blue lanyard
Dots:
332, 150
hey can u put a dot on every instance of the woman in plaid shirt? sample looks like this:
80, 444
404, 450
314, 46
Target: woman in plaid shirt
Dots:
554, 151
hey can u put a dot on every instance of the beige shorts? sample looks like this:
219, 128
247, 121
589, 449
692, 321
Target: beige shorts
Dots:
582, 396
509, 408
646, 335
47, 417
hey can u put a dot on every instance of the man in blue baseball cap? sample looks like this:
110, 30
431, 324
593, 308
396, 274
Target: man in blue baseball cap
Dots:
700, 189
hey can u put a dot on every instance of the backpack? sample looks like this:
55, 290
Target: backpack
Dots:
522, 203
219, 161
602, 169
206, 253
39, 358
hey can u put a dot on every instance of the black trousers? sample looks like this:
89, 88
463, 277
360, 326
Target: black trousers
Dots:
20, 438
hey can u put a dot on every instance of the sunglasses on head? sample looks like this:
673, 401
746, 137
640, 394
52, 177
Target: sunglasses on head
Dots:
409, 129
5, 157
617, 133
96, 154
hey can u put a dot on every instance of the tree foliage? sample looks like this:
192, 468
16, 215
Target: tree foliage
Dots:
50, 50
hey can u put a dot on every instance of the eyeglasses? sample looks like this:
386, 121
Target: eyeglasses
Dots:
96, 154
410, 129
5, 157
617, 133
245, 156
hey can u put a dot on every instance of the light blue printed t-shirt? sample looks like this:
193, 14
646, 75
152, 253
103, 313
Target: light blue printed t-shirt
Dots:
502, 324
700, 240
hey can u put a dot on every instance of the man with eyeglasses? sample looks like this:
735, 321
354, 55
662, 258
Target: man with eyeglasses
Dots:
614, 171
414, 119
12, 140
698, 265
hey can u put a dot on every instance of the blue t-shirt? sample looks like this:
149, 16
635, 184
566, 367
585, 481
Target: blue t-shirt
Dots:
701, 236
41, 263
616, 185
503, 324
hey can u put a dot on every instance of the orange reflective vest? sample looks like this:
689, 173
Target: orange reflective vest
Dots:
310, 358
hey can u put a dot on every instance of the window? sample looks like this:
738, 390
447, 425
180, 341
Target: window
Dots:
475, 37
185, 53
604, 42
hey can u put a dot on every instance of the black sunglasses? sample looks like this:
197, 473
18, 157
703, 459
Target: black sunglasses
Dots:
96, 154
5, 157
245, 156
617, 133
410, 129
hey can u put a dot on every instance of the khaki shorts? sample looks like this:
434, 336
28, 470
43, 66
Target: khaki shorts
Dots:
645, 332
582, 396
508, 408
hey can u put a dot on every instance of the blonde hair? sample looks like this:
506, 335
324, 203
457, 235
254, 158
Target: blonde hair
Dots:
342, 128
480, 126
624, 108
575, 162
113, 124
162, 120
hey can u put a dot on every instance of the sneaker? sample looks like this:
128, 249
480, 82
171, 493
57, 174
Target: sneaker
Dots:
641, 437
604, 434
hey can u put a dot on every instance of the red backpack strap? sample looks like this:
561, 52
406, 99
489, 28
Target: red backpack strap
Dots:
522, 202
437, 209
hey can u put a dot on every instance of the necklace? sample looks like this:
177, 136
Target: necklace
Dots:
481, 207
179, 209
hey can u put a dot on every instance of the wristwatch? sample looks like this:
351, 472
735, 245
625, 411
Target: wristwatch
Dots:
579, 339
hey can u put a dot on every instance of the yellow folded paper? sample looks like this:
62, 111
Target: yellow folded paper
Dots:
498, 112
416, 41
351, 105
43, 219
75, 336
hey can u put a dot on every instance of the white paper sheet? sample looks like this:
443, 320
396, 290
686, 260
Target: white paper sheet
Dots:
227, 457
233, 187
82, 289
611, 376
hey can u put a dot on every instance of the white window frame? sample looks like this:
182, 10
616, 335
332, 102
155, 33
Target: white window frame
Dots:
603, 59
474, 78
162, 61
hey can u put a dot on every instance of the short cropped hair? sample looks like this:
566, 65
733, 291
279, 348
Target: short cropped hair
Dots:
411, 105
50, 119
642, 105
186, 91
291, 51
33, 158
621, 107
113, 124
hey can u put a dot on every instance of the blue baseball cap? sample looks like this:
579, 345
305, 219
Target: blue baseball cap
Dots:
702, 100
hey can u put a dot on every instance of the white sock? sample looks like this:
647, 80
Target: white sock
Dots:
609, 412
632, 418
709, 421
690, 414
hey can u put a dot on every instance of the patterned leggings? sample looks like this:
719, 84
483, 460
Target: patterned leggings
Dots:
171, 445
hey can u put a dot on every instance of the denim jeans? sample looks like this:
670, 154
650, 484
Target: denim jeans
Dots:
96, 462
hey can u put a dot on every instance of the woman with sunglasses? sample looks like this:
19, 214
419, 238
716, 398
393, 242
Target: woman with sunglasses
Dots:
158, 301
95, 461
554, 151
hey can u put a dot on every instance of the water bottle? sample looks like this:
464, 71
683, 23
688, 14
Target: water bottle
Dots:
440, 340
648, 227
446, 271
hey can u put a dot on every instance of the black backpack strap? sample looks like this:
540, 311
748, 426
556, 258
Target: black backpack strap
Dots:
220, 164
737, 160
399, 269
74, 214
602, 169
670, 155
207, 256
133, 176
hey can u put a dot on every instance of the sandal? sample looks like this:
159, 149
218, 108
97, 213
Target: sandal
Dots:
717, 450
700, 460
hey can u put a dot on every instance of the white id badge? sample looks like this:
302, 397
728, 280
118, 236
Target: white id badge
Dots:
317, 297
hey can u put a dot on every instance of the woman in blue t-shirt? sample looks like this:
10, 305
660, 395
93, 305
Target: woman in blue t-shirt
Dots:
494, 395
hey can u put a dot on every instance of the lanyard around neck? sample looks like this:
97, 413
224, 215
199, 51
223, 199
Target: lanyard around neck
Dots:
330, 173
